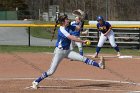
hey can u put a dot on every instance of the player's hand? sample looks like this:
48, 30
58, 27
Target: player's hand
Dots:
105, 34
87, 42
84, 41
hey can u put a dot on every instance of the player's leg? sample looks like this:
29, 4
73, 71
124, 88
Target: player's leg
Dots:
72, 45
100, 44
75, 56
111, 38
80, 47
58, 56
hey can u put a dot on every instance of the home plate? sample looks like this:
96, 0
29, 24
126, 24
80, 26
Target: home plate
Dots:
125, 57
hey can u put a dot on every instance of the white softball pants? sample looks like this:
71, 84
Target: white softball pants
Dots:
59, 54
110, 37
79, 45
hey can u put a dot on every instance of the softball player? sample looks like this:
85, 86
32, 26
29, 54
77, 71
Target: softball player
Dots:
106, 33
76, 34
62, 50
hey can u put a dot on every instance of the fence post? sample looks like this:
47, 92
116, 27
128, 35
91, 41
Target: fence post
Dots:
29, 38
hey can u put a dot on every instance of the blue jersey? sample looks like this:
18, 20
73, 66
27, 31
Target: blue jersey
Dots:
63, 33
103, 27
75, 33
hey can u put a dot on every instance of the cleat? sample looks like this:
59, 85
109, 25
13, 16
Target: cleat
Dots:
102, 63
72, 60
95, 55
34, 85
118, 54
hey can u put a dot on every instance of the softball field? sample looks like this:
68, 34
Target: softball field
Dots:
18, 70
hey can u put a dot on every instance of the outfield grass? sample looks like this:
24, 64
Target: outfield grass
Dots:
51, 49
41, 32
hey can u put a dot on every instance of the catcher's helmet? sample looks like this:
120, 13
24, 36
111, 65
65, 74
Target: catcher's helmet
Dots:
100, 18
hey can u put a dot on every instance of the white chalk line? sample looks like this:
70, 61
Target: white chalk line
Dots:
103, 56
134, 92
76, 79
82, 89
121, 57
76, 89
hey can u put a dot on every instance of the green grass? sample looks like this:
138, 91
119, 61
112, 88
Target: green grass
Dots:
6, 48
112, 51
43, 32
51, 49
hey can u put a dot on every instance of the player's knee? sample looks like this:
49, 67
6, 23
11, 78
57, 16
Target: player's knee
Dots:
80, 49
113, 45
71, 48
50, 72
99, 45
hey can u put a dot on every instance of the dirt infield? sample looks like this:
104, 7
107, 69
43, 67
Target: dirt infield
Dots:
18, 70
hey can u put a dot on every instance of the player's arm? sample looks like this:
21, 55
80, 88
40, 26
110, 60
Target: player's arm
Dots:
65, 33
97, 27
80, 26
110, 28
71, 37
77, 28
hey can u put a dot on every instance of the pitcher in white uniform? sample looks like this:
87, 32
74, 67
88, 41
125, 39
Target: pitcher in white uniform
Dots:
106, 33
62, 50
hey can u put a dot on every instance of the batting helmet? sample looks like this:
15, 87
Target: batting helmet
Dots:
100, 18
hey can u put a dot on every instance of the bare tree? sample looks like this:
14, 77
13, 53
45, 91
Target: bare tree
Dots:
113, 9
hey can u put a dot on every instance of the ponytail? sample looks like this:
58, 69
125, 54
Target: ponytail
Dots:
59, 20
53, 33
